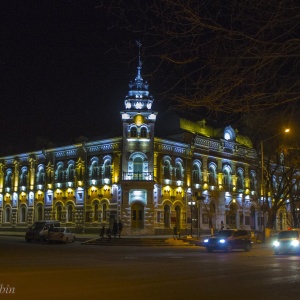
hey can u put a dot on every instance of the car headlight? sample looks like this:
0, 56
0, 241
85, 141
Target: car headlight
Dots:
206, 241
295, 243
222, 241
276, 243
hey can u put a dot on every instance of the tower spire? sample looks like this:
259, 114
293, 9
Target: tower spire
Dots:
139, 76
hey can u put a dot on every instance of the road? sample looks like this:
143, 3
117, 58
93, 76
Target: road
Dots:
75, 271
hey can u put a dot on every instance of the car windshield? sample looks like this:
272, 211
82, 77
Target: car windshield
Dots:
38, 226
58, 229
288, 234
224, 233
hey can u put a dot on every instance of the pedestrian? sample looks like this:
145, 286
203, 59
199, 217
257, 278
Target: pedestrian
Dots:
108, 233
120, 227
175, 232
102, 232
115, 228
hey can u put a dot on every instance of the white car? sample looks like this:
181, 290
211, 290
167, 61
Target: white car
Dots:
61, 234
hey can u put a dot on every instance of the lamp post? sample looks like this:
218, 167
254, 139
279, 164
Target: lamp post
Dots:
191, 203
262, 181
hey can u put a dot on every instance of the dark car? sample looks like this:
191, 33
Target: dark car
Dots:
39, 231
288, 241
229, 239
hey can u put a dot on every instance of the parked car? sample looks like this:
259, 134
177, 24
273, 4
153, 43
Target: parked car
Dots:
61, 234
288, 241
39, 231
229, 239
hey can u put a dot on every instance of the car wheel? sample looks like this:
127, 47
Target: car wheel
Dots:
247, 247
28, 240
209, 249
228, 248
276, 252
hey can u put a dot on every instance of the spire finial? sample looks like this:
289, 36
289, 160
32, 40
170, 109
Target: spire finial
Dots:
139, 44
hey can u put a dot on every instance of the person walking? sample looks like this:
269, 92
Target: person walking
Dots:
102, 232
115, 228
108, 233
120, 227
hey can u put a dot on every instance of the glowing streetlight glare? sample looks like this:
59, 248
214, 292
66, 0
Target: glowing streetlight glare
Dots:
287, 130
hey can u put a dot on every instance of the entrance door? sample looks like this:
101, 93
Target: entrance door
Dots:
137, 215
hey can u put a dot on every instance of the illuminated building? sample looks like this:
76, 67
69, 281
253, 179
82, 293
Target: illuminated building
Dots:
144, 179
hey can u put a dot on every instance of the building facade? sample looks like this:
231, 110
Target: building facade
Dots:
194, 176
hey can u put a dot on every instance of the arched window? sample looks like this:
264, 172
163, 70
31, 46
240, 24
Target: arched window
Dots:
196, 175
167, 169
143, 132
179, 171
70, 172
40, 175
240, 180
70, 213
39, 213
227, 178
212, 178
7, 215
8, 178
96, 207
58, 212
104, 210
167, 216
133, 132
59, 173
23, 176
107, 169
23, 214
252, 181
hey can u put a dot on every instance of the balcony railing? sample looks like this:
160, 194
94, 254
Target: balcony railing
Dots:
138, 176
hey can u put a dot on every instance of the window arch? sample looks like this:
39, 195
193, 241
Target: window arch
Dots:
7, 218
212, 178
39, 214
96, 211
133, 132
59, 172
143, 132
70, 171
23, 213
40, 175
179, 170
58, 212
252, 181
8, 178
70, 213
107, 168
167, 216
23, 176
196, 172
167, 168
240, 180
227, 177
94, 169
104, 210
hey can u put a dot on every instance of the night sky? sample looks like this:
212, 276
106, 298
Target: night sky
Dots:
62, 77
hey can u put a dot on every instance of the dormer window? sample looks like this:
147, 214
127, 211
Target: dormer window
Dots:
227, 136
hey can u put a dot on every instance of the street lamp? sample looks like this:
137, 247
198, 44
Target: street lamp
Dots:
191, 203
262, 180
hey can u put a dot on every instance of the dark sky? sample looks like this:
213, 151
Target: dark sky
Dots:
61, 77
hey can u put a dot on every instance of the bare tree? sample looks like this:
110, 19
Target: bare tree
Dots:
220, 56
282, 183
